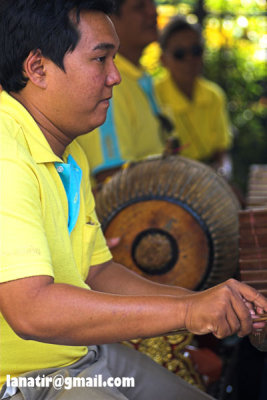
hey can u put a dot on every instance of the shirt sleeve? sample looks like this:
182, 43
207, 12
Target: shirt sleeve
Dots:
24, 250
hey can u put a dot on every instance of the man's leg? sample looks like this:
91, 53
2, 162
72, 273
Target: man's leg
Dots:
152, 381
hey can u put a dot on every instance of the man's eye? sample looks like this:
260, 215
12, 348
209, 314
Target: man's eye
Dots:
101, 59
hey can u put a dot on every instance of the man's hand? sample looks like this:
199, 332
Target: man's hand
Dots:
225, 309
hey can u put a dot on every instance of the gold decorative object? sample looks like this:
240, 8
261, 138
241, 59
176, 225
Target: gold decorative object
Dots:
170, 352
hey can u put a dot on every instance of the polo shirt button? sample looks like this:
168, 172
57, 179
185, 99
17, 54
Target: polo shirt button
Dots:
60, 169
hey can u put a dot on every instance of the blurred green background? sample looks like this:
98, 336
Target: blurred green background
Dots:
235, 33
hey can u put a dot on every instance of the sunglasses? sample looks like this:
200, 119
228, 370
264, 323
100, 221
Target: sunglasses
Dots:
180, 53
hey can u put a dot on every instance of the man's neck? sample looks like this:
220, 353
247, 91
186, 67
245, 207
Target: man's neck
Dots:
187, 88
55, 138
132, 55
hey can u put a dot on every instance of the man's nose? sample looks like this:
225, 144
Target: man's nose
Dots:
113, 77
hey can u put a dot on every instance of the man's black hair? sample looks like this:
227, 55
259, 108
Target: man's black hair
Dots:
28, 25
175, 25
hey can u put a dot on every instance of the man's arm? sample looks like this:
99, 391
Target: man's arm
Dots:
39, 309
122, 280
114, 278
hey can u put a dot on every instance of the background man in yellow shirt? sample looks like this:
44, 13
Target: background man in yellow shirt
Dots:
62, 297
196, 106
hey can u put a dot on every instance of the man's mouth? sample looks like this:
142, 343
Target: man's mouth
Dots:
106, 101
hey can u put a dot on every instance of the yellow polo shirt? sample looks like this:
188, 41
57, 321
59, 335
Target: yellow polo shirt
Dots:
34, 235
131, 131
202, 124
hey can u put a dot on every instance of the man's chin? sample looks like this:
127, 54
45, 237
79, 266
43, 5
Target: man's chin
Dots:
102, 120
97, 123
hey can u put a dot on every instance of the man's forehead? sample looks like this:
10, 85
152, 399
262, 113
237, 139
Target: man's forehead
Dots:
97, 30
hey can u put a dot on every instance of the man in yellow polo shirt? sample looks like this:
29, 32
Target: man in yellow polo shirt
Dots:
64, 302
196, 106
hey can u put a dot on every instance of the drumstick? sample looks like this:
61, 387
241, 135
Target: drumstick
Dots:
258, 318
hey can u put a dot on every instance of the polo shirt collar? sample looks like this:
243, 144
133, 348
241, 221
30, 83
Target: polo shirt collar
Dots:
37, 143
127, 67
181, 102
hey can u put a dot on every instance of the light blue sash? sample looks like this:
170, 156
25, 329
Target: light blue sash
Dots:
109, 143
71, 176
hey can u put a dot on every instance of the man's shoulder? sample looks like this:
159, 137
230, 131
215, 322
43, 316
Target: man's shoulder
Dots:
128, 69
10, 131
167, 92
8, 125
162, 80
159, 86
13, 146
210, 87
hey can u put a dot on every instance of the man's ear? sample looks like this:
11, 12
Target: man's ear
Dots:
34, 69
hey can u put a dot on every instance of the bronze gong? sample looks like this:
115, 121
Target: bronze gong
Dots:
177, 220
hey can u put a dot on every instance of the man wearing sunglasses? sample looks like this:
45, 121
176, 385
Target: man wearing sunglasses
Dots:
195, 105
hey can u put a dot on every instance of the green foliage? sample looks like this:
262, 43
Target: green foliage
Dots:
235, 6
243, 81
